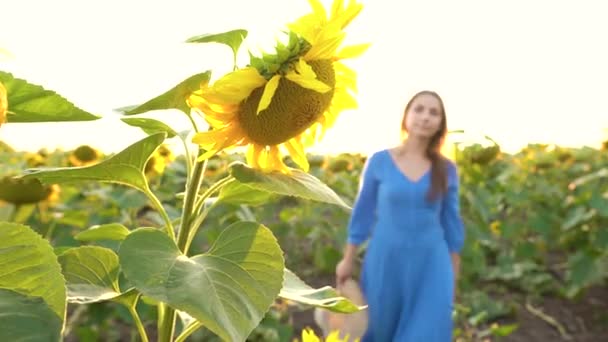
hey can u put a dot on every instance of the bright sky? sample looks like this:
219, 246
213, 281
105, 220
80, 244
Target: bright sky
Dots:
519, 70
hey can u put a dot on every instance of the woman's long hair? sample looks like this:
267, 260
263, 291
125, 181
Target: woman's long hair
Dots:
439, 174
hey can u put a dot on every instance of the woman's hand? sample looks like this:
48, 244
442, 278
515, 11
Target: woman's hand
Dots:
344, 270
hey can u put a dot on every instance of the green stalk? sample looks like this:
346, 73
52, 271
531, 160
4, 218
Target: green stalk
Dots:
188, 331
167, 317
138, 323
194, 184
199, 208
166, 322
163, 213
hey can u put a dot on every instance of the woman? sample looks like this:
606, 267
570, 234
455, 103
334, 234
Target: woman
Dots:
408, 207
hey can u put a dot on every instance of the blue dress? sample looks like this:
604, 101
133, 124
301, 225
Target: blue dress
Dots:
407, 276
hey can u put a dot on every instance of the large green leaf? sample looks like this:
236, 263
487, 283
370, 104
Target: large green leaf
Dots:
238, 193
296, 290
150, 126
29, 267
32, 103
91, 274
124, 168
172, 99
24, 318
233, 39
228, 289
298, 183
110, 231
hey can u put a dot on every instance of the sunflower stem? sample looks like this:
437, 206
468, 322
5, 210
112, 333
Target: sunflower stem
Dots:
199, 205
193, 123
192, 187
166, 323
188, 331
187, 156
167, 317
140, 327
163, 213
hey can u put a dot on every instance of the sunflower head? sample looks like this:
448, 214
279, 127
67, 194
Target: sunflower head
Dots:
84, 155
3, 104
159, 160
308, 335
24, 191
35, 160
285, 100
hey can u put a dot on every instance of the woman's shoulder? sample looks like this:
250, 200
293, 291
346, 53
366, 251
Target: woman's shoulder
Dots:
451, 167
376, 155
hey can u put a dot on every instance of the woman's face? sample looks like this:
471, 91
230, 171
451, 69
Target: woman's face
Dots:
424, 117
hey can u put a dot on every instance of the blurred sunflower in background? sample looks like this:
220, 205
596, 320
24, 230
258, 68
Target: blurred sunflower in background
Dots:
159, 160
19, 191
286, 100
84, 155
3, 104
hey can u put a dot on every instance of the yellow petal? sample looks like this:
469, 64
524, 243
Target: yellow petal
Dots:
306, 77
308, 335
343, 100
325, 48
274, 161
236, 86
218, 139
3, 103
318, 9
307, 26
296, 150
336, 9
351, 51
269, 90
345, 16
253, 155
345, 76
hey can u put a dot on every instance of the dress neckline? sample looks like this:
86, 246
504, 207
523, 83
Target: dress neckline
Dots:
403, 174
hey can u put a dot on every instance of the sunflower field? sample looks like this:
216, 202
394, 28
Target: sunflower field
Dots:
235, 235
535, 263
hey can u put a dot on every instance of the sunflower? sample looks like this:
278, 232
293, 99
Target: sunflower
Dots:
159, 160
84, 155
3, 104
19, 191
286, 100
309, 336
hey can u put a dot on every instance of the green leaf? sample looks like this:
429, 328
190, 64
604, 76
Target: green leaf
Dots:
238, 193
111, 231
32, 103
172, 99
228, 289
233, 39
91, 274
299, 184
504, 330
577, 216
124, 168
30, 268
26, 318
150, 126
583, 269
296, 290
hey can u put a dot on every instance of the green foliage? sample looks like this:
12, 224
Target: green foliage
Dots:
228, 289
232, 39
175, 98
33, 103
32, 289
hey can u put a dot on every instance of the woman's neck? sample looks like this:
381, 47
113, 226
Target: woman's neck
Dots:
414, 146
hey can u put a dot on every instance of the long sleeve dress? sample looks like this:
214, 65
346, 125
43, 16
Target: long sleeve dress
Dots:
407, 276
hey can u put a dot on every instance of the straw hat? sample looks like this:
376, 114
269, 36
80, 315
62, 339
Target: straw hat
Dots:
355, 324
